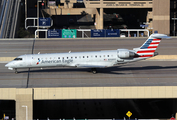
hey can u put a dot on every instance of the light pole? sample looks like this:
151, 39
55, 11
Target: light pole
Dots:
26, 111
25, 9
174, 25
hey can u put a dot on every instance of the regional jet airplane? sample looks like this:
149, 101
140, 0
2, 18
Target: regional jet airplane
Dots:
93, 60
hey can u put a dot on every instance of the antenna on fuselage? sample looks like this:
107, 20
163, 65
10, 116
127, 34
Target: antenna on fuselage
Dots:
38, 52
70, 51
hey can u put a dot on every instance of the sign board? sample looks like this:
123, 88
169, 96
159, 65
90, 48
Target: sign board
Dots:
129, 114
143, 26
6, 117
51, 3
98, 33
112, 33
55, 33
44, 22
69, 33
156, 31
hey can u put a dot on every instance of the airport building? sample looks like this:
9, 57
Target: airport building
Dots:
154, 15
95, 101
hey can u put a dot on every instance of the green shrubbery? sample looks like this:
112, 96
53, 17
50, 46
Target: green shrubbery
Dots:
22, 33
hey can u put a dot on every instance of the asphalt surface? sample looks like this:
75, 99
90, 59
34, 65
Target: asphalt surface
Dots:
143, 73
13, 48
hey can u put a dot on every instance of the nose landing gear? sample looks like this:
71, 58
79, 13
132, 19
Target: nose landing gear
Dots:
16, 71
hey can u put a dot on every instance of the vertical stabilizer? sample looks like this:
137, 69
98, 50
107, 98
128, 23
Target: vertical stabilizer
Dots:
150, 45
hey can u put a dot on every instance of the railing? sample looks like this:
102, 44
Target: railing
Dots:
35, 23
38, 30
83, 32
135, 30
59, 33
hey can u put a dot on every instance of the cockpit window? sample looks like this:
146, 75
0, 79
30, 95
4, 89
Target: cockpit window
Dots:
18, 59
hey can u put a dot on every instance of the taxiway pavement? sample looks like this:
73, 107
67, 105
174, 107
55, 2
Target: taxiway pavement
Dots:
143, 73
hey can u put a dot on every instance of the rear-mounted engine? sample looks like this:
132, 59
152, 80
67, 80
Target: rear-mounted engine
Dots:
125, 53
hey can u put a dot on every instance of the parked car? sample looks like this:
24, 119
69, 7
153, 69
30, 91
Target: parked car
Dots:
122, 35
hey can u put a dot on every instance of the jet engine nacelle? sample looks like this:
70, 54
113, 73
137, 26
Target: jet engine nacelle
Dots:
125, 53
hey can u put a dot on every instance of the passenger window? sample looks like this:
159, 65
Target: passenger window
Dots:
58, 57
71, 57
63, 57
96, 56
76, 57
87, 56
100, 56
67, 57
83, 56
108, 55
104, 56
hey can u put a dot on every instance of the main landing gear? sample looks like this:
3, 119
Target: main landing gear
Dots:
94, 71
16, 71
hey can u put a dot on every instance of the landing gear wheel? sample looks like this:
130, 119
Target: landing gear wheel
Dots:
16, 71
94, 70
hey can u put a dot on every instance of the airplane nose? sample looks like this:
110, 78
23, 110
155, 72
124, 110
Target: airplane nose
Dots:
7, 65
10, 64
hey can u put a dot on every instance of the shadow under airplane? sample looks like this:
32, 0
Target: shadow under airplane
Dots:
109, 70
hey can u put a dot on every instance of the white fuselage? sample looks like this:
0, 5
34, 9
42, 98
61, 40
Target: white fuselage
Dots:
95, 59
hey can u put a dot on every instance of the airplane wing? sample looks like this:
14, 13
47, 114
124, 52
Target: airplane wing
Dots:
90, 66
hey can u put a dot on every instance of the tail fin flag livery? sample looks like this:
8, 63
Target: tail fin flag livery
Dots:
90, 59
150, 45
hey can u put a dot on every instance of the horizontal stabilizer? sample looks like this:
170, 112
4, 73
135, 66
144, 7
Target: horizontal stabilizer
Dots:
159, 36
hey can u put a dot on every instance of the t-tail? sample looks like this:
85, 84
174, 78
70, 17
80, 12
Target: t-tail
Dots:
150, 45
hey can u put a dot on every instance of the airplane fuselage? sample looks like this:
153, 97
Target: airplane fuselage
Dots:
94, 59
